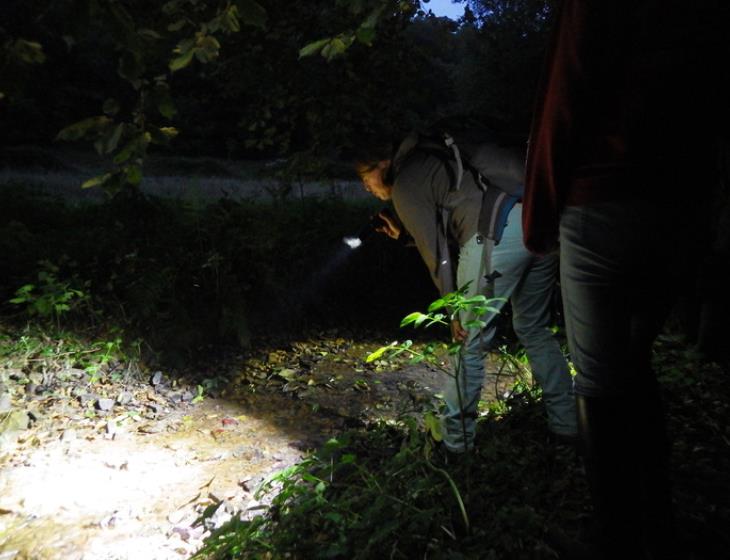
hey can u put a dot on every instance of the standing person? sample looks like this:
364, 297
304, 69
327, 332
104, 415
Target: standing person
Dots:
619, 166
420, 186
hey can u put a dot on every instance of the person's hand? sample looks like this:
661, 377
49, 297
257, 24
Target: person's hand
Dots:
458, 333
389, 225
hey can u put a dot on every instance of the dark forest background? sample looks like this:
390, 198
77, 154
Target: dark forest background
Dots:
107, 286
245, 92
288, 87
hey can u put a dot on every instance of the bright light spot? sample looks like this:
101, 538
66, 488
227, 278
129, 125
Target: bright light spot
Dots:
352, 242
445, 8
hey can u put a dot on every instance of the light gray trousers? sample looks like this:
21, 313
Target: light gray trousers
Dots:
528, 282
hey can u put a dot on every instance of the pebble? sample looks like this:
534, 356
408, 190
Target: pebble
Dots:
5, 402
222, 515
85, 398
156, 378
105, 404
68, 435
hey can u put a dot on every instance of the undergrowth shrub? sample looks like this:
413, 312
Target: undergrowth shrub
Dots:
385, 492
183, 275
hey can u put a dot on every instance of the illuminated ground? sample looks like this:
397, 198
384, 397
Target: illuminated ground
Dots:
127, 486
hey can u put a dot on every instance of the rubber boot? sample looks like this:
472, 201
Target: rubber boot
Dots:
626, 456
610, 464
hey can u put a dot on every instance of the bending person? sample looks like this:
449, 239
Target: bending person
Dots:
436, 215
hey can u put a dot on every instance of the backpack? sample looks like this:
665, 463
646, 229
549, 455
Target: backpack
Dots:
495, 161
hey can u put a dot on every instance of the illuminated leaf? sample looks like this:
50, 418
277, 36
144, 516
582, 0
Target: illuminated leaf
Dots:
379, 353
433, 426
180, 62
28, 52
416, 318
99, 180
313, 48
336, 46
134, 175
438, 304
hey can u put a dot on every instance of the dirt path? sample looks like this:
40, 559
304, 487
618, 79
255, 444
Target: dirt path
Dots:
131, 480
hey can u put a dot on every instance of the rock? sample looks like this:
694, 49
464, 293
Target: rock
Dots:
125, 397
222, 515
183, 532
154, 407
156, 378
176, 517
14, 421
105, 404
86, 398
68, 435
111, 428
187, 396
5, 402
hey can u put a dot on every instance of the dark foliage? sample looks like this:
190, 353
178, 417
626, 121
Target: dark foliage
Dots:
184, 276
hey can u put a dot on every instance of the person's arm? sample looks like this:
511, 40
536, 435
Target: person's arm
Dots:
416, 202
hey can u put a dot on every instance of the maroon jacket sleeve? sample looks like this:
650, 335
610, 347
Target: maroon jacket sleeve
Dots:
580, 43
551, 134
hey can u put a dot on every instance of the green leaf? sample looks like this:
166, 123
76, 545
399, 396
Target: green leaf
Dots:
84, 127
149, 34
135, 147
133, 175
209, 47
180, 62
251, 13
379, 353
415, 318
230, 20
313, 48
110, 140
166, 107
433, 426
162, 136
365, 35
176, 26
96, 181
438, 304
28, 52
336, 46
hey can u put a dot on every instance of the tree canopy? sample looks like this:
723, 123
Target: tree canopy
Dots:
257, 78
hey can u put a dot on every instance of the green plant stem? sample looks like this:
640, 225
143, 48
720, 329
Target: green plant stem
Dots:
455, 491
461, 402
